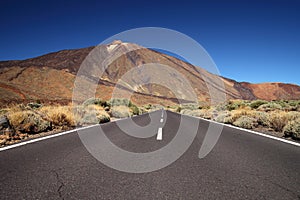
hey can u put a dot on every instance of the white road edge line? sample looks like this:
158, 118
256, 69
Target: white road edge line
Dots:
159, 134
250, 131
56, 135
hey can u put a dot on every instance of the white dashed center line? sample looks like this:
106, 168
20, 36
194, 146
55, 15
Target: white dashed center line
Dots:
159, 134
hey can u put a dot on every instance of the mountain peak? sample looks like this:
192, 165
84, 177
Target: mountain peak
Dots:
116, 42
54, 76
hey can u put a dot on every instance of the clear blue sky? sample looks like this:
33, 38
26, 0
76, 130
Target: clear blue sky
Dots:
254, 41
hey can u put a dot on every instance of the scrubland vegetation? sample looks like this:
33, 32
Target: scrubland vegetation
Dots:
280, 118
18, 122
24, 121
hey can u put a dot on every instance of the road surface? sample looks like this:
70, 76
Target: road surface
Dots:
241, 166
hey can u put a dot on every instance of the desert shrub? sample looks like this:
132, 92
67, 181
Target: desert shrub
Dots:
294, 105
277, 120
124, 102
261, 117
3, 111
88, 118
203, 105
206, 113
185, 111
195, 113
294, 102
270, 106
293, 115
95, 117
224, 117
283, 103
246, 122
120, 112
95, 101
143, 110
59, 115
255, 104
92, 114
16, 108
235, 114
190, 106
28, 122
155, 107
235, 104
119, 102
135, 110
34, 105
102, 117
221, 106
148, 106
292, 129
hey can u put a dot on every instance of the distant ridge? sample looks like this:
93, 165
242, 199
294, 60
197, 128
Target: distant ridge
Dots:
50, 78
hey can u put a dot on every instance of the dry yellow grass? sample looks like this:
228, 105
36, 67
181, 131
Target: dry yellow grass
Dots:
59, 115
16, 118
278, 119
236, 114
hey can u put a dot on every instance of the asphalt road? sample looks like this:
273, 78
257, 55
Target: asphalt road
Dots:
240, 166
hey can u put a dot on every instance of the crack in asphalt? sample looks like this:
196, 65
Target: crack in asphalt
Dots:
283, 188
266, 179
61, 185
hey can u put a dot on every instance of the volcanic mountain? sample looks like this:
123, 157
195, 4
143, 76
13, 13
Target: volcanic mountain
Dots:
50, 78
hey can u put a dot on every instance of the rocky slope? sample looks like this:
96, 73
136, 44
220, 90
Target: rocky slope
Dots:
50, 78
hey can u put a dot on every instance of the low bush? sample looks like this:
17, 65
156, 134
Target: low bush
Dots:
206, 113
143, 110
224, 117
235, 114
292, 129
125, 102
120, 112
270, 106
95, 101
148, 106
95, 117
91, 114
189, 106
28, 122
246, 122
255, 104
221, 107
293, 115
155, 107
119, 102
135, 110
178, 109
277, 120
34, 105
262, 118
195, 113
235, 104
